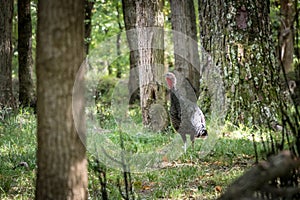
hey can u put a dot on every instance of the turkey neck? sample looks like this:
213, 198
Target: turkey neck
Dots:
176, 94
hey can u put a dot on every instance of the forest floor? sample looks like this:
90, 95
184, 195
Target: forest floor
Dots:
190, 176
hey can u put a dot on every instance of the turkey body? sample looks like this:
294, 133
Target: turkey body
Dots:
186, 116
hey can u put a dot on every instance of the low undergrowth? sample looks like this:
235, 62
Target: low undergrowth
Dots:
189, 176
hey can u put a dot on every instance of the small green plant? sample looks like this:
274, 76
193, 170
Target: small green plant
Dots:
190, 175
17, 155
103, 97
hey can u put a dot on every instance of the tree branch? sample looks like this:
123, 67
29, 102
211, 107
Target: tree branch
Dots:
257, 177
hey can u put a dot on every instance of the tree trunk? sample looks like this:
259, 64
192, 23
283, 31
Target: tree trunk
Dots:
26, 90
237, 36
185, 41
129, 14
286, 36
118, 42
61, 158
88, 5
150, 37
6, 15
297, 38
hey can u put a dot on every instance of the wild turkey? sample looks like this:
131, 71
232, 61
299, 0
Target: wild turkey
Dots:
186, 116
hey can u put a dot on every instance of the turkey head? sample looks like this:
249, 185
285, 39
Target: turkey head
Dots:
171, 80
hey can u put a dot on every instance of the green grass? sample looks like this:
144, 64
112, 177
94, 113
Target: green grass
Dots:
190, 175
17, 145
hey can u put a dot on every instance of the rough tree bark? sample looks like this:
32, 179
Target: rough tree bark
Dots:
185, 40
129, 14
286, 36
26, 87
237, 36
61, 158
297, 37
150, 37
6, 15
118, 41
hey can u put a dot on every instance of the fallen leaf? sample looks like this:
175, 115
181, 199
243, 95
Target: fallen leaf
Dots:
218, 188
165, 159
146, 187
